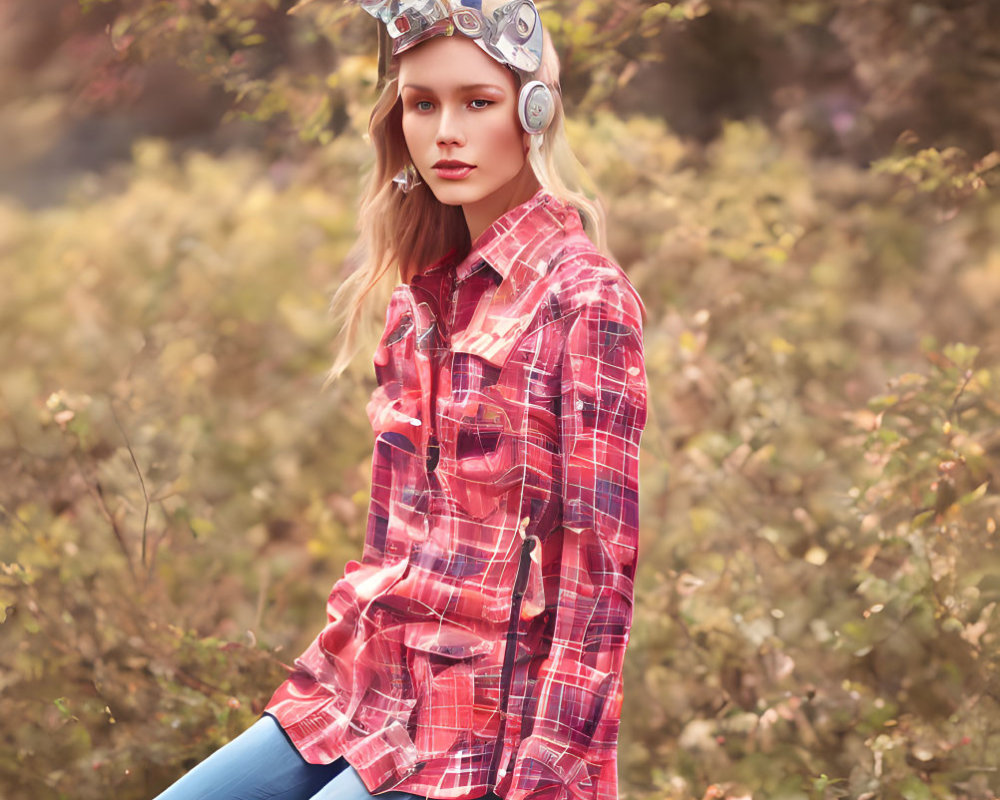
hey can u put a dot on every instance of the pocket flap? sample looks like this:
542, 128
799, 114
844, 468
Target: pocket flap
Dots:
499, 324
447, 641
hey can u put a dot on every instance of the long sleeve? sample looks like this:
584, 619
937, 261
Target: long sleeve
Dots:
571, 747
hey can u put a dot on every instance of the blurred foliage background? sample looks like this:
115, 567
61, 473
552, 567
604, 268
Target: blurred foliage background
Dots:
805, 193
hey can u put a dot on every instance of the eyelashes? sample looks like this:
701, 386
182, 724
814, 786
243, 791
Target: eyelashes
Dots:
477, 104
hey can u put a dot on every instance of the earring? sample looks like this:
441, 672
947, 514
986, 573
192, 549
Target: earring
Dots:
407, 179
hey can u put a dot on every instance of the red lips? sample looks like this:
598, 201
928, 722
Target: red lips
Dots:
452, 170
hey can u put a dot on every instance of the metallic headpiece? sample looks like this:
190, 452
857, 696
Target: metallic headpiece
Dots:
510, 31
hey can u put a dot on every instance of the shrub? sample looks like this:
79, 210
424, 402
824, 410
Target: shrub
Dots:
816, 606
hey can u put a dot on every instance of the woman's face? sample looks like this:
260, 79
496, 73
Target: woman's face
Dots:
461, 128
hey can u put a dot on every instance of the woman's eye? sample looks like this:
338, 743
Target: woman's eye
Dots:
480, 103
423, 105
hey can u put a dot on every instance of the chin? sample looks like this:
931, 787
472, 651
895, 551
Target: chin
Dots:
446, 198
456, 194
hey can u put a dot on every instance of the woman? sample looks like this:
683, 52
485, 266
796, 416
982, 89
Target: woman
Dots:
476, 649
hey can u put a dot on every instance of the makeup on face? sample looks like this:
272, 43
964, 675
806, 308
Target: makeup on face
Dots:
450, 169
461, 128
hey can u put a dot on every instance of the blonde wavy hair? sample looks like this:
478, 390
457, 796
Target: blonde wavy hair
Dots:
402, 234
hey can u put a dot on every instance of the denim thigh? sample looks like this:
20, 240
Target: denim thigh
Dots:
261, 764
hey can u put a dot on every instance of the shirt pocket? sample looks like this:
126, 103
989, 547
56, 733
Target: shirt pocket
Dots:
482, 452
332, 657
579, 706
499, 425
395, 401
403, 362
443, 662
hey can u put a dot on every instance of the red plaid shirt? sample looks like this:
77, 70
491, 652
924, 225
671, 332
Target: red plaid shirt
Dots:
478, 644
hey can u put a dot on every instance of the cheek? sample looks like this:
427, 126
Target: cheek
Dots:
507, 139
419, 132
409, 133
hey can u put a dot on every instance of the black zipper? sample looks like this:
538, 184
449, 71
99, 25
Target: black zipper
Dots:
510, 648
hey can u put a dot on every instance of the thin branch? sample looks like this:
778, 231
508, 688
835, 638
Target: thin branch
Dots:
952, 412
97, 491
142, 482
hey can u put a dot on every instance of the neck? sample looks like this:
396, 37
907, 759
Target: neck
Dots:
483, 213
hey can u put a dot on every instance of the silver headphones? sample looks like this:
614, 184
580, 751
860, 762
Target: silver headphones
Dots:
535, 107
509, 31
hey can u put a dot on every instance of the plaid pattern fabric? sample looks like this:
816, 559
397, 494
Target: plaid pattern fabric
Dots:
477, 646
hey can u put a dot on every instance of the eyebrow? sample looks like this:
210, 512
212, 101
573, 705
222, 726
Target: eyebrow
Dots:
471, 87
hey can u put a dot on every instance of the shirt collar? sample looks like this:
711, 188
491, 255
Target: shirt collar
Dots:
520, 244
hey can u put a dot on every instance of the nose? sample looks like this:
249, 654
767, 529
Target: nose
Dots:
450, 131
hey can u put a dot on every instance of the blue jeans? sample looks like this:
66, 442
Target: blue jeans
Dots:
262, 764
